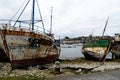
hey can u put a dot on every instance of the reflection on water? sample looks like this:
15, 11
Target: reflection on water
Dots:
73, 52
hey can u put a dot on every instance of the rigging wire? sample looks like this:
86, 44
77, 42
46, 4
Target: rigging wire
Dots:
21, 13
40, 15
18, 11
25, 4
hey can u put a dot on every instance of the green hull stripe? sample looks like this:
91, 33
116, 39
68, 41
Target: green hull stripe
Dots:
97, 43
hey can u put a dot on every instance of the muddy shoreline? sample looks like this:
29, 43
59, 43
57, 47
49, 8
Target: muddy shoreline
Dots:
81, 67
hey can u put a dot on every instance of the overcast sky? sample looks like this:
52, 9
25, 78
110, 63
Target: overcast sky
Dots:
73, 18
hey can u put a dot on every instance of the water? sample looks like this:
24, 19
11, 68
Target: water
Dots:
73, 52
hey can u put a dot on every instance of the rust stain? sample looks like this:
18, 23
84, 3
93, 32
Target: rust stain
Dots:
37, 53
27, 54
99, 50
20, 48
23, 33
13, 57
4, 42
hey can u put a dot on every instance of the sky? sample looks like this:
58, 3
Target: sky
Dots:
73, 18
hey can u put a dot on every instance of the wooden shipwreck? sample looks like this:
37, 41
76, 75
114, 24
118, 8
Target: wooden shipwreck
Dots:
97, 49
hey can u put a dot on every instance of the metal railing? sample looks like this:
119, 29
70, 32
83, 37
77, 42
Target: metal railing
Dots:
20, 26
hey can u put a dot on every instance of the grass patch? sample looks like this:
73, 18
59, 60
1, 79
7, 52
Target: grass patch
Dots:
22, 78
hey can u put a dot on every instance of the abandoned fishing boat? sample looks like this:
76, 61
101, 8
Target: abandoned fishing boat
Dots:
97, 49
116, 47
24, 44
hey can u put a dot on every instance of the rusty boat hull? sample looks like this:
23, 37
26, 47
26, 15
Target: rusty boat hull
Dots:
23, 53
24, 63
27, 49
96, 50
26, 42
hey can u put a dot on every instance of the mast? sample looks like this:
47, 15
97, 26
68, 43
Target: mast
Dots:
33, 12
105, 27
51, 21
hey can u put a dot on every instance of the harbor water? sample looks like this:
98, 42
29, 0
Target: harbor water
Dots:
73, 52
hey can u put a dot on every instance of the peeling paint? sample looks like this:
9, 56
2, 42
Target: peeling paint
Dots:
97, 50
20, 48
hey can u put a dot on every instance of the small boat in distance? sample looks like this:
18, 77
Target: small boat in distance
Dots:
97, 49
116, 47
24, 44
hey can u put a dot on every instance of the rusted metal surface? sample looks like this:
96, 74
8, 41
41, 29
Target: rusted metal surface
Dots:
23, 33
20, 48
4, 42
28, 47
116, 50
116, 46
25, 42
32, 62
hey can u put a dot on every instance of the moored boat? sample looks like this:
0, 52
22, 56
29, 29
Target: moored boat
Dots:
116, 46
27, 46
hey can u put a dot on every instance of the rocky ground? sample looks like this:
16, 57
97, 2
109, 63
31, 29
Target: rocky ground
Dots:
68, 68
106, 75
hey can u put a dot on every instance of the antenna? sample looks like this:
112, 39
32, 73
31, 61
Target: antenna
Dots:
105, 27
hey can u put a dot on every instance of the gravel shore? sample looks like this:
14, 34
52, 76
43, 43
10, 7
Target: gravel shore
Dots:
107, 75
86, 70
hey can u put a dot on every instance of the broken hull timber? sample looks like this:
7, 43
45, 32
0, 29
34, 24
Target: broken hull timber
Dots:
116, 51
116, 46
96, 50
25, 48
